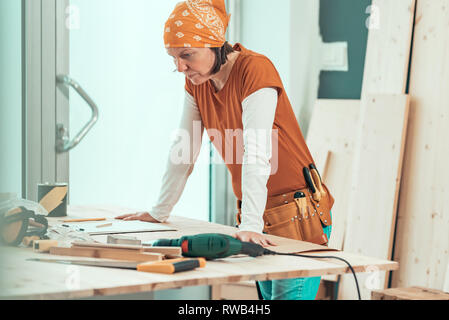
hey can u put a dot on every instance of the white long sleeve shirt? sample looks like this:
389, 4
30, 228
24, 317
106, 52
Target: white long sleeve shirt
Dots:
258, 116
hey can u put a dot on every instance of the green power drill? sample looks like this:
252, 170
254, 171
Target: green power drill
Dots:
213, 246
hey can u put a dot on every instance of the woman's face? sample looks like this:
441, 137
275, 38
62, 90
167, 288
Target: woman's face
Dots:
195, 63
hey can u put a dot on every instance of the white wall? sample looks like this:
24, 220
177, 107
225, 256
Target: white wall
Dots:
287, 32
118, 56
265, 29
10, 97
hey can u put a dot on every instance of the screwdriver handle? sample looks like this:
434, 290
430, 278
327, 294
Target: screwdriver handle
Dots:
172, 265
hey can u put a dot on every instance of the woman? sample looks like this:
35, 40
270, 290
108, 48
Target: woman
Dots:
238, 97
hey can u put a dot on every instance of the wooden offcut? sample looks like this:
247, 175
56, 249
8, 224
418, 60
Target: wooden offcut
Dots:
137, 248
118, 254
107, 245
245, 290
413, 293
53, 198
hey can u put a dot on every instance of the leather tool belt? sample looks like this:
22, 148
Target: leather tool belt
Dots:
299, 215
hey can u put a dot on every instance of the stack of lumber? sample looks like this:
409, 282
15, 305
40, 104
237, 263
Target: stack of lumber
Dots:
391, 203
366, 140
422, 242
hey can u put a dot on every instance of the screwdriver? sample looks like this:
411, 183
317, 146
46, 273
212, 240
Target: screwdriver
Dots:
169, 266
172, 265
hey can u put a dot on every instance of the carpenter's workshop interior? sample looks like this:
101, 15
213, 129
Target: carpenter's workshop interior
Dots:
224, 150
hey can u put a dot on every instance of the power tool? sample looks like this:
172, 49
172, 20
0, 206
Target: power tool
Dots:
212, 246
216, 246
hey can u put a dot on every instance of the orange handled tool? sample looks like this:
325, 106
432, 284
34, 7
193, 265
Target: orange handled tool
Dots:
172, 265
167, 266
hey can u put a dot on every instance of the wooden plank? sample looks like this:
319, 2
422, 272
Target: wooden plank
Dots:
236, 291
321, 159
422, 242
118, 254
413, 293
172, 251
333, 129
375, 186
107, 245
388, 49
139, 248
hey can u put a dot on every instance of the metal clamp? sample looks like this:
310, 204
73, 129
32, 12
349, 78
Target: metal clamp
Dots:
63, 144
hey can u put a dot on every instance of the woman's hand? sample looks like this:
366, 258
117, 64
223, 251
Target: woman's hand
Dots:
141, 216
255, 237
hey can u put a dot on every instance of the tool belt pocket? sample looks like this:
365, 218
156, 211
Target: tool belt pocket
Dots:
323, 207
288, 229
300, 219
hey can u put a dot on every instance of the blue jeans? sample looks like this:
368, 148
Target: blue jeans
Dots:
292, 289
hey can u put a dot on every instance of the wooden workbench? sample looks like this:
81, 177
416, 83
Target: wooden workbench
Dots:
38, 280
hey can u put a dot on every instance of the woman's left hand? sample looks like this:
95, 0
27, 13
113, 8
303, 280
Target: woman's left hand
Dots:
255, 237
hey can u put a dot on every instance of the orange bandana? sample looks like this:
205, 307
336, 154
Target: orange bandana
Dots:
197, 24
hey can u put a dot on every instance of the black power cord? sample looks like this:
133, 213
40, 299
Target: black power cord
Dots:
319, 257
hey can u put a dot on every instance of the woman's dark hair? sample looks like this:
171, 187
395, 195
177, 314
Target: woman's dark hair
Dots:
221, 56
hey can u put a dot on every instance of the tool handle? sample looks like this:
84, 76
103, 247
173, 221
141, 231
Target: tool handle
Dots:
301, 203
317, 179
252, 249
312, 167
315, 193
174, 266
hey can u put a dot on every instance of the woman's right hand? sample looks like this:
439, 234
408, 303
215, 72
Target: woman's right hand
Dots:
141, 216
